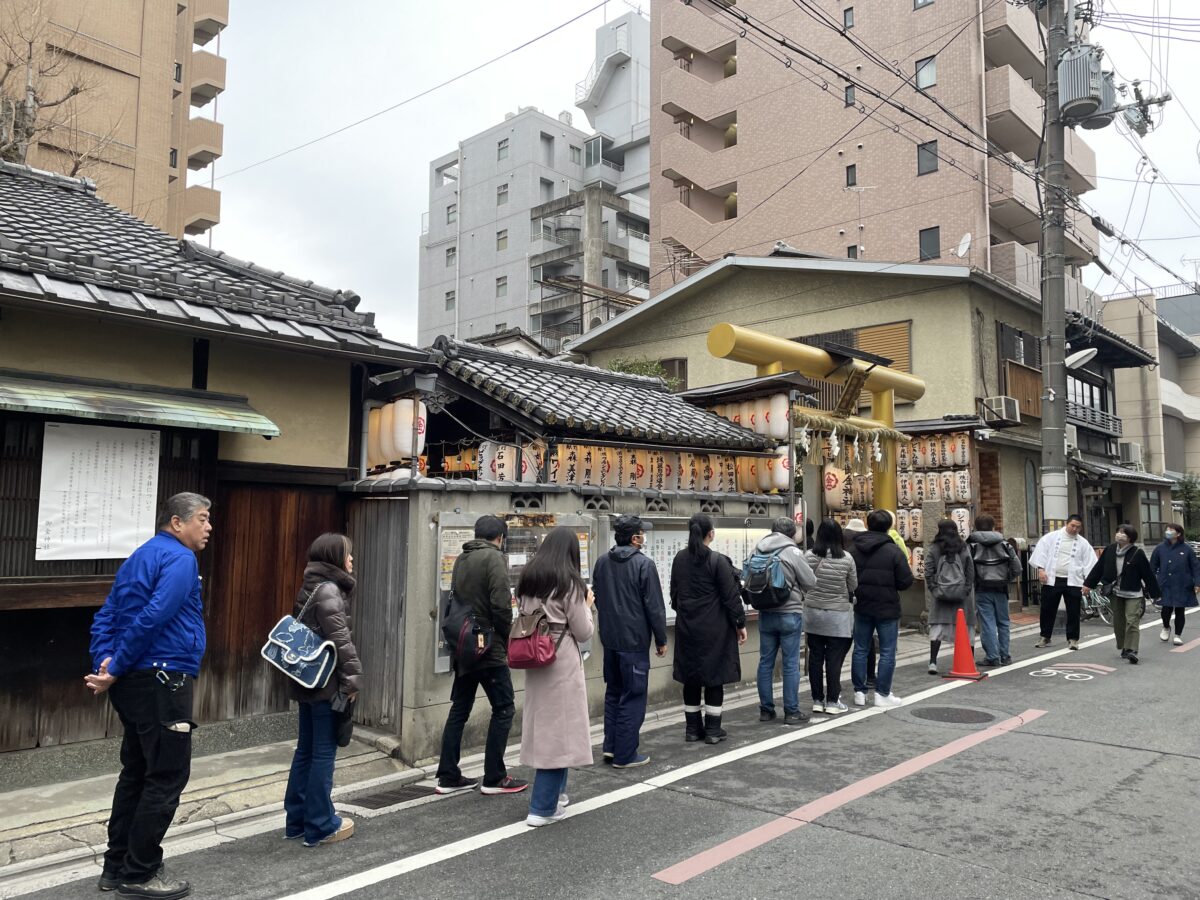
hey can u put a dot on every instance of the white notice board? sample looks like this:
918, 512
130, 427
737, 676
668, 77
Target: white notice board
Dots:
98, 492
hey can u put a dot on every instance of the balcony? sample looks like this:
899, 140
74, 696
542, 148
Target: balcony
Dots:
1095, 419
1010, 35
208, 76
1081, 163
1014, 112
209, 18
700, 97
1013, 197
205, 141
1083, 239
604, 172
201, 209
1019, 266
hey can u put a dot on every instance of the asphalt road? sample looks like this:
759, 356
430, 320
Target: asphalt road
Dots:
1029, 784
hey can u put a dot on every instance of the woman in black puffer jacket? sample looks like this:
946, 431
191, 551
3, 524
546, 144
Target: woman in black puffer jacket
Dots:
328, 584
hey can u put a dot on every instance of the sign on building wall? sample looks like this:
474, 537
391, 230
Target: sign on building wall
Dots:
98, 492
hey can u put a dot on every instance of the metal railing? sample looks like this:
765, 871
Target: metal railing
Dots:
1097, 419
620, 44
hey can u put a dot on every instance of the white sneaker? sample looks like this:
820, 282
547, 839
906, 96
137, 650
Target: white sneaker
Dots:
1178, 641
860, 698
836, 708
887, 700
1164, 635
563, 800
538, 821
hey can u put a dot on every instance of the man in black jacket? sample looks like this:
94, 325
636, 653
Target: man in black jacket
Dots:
883, 572
480, 580
996, 567
630, 603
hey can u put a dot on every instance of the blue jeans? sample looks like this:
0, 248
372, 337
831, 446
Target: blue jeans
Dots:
548, 786
992, 611
308, 803
779, 631
626, 679
888, 631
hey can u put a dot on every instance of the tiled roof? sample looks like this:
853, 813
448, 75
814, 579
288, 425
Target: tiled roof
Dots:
1083, 331
586, 401
60, 242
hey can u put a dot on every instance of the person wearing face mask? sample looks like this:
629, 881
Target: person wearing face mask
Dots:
1124, 565
1063, 558
1178, 571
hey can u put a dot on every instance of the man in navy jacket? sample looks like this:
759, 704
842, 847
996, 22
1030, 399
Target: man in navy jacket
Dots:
632, 612
147, 643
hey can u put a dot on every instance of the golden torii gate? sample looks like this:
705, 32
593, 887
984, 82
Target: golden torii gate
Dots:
773, 355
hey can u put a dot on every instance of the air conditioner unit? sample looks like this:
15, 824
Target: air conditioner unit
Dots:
1002, 409
1130, 452
1071, 433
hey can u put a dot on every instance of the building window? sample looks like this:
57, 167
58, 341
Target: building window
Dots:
501, 326
451, 255
849, 94
576, 154
450, 298
675, 370
178, 74
926, 72
1152, 519
931, 242
851, 175
502, 194
594, 148
852, 251
451, 213
502, 239
173, 158
502, 149
927, 158
502, 286
848, 17
917, 4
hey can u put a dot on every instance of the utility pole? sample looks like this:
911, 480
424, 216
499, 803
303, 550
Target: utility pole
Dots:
1054, 315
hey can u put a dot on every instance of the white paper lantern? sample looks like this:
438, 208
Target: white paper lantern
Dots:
487, 460
918, 563
946, 479
749, 415
904, 488
903, 455
781, 469
729, 474
902, 523
589, 464
704, 472
779, 417
945, 451
933, 487
962, 518
962, 486
402, 428
374, 451
834, 480
531, 462
422, 418
387, 443
762, 413
962, 449
565, 466
916, 524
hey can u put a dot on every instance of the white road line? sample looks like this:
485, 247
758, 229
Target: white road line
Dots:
426, 858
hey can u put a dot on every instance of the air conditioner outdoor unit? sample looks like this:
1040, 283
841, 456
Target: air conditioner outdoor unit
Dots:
1072, 437
1003, 409
1131, 452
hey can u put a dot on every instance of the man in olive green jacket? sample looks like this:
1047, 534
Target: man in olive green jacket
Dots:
480, 580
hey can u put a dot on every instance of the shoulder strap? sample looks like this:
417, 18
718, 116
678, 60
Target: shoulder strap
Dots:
308, 600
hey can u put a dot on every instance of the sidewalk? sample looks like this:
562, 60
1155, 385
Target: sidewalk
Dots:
59, 829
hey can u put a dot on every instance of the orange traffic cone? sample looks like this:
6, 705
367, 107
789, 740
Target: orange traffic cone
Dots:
964, 653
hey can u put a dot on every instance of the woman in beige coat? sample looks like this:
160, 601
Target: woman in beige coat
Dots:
555, 728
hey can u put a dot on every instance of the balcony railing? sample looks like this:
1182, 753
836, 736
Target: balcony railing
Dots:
618, 44
1095, 419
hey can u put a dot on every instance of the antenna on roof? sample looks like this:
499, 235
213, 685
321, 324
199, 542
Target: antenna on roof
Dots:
964, 246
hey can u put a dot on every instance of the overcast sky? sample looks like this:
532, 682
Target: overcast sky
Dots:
346, 212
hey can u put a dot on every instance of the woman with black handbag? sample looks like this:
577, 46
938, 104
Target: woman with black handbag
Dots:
1124, 566
323, 605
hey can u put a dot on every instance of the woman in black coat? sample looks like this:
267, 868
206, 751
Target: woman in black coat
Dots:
1124, 565
710, 624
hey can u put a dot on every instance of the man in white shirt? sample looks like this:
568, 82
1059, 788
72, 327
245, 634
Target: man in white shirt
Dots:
1063, 559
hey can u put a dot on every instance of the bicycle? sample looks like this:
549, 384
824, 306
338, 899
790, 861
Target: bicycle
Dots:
1098, 602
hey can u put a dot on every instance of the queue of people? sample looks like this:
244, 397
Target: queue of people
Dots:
842, 594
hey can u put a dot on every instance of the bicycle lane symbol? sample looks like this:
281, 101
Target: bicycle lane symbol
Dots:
1073, 671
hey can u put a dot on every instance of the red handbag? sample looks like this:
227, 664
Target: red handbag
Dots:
530, 644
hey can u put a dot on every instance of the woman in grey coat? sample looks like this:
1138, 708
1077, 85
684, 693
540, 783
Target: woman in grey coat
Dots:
829, 616
949, 586
555, 728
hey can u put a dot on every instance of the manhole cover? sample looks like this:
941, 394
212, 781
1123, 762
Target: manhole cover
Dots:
957, 715
392, 796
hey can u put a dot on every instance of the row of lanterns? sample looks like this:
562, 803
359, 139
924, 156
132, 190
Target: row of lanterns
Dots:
766, 416
938, 451
948, 486
390, 432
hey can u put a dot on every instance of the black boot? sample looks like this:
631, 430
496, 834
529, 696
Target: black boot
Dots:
713, 732
695, 727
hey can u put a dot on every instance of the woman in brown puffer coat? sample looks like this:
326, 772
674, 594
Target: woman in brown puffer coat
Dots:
324, 601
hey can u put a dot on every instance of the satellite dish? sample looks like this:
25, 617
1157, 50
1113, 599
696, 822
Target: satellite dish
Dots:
964, 246
1080, 358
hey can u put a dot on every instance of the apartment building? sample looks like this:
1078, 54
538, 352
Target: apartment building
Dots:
538, 225
144, 67
748, 149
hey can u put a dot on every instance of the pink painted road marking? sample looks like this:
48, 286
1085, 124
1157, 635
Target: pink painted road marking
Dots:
1184, 648
1095, 667
797, 818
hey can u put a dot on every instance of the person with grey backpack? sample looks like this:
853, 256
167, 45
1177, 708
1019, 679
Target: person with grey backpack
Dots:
949, 585
996, 567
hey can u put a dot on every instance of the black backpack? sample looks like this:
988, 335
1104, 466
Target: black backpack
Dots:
995, 563
466, 637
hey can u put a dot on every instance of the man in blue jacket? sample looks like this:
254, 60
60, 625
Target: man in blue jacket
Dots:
147, 643
630, 603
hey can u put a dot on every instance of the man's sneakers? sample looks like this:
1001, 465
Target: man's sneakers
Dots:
933, 669
799, 717
888, 701
1006, 660
1073, 645
456, 786
639, 760
1132, 657
1165, 634
835, 707
1124, 654
860, 698
766, 715
160, 886
538, 821
992, 661
108, 882
608, 757
507, 785
1045, 642
1178, 641
344, 831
